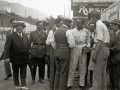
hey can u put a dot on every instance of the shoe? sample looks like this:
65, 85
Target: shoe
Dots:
32, 82
69, 87
24, 88
82, 87
41, 81
7, 77
18, 88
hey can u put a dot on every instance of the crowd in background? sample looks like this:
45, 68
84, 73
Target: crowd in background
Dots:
65, 50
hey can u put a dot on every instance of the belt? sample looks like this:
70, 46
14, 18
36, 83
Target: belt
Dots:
79, 43
105, 44
38, 44
62, 45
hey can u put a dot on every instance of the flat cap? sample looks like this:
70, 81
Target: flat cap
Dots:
67, 18
115, 21
20, 23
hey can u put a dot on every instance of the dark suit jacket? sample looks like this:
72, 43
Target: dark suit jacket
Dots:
17, 49
115, 52
38, 49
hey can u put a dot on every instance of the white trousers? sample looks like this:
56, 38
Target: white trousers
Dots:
77, 57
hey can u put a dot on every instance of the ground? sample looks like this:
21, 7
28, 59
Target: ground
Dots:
8, 84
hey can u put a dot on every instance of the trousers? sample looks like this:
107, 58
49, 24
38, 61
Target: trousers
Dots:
7, 68
77, 58
62, 62
100, 74
23, 70
40, 62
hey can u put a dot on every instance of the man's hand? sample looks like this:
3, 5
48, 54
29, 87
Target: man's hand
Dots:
94, 58
7, 60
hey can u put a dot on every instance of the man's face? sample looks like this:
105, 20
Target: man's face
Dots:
79, 24
91, 27
113, 27
19, 28
14, 23
40, 26
59, 24
93, 19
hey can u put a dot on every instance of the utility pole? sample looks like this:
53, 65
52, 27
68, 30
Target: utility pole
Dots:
68, 8
64, 10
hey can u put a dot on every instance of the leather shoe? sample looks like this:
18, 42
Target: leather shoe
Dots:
32, 82
7, 77
82, 87
41, 81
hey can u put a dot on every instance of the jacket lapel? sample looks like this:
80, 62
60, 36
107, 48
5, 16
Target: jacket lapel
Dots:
17, 37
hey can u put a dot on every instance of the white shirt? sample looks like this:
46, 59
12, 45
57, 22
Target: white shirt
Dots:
117, 32
101, 32
50, 38
13, 29
20, 34
81, 36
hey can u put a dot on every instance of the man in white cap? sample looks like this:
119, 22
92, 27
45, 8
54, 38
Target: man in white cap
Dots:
64, 41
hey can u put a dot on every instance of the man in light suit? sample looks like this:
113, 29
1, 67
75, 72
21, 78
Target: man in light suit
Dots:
8, 72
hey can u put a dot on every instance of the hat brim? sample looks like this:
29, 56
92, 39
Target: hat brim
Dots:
114, 23
21, 25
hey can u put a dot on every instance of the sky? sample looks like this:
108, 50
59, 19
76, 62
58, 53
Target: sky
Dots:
49, 7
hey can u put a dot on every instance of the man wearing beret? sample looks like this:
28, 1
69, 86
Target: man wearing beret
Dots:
115, 55
101, 53
38, 51
17, 51
64, 41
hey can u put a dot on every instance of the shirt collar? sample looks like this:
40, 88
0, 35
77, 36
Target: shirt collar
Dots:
19, 33
117, 32
98, 21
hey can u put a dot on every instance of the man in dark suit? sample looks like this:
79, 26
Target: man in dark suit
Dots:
38, 51
64, 41
115, 55
17, 51
8, 72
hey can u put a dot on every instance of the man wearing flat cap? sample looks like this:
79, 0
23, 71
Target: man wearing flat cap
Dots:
64, 41
101, 53
115, 55
17, 51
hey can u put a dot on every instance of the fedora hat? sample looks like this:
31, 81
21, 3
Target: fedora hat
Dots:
115, 21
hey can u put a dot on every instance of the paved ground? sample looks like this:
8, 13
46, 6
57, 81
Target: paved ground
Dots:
8, 85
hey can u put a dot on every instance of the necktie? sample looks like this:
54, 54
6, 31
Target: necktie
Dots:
20, 36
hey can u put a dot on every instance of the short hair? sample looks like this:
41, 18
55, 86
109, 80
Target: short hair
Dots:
58, 20
91, 23
106, 23
96, 14
39, 22
12, 20
81, 20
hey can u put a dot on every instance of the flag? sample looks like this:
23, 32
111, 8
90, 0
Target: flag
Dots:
8, 8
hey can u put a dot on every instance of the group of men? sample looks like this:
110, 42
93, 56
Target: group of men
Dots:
68, 49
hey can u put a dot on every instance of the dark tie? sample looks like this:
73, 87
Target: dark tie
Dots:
20, 36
